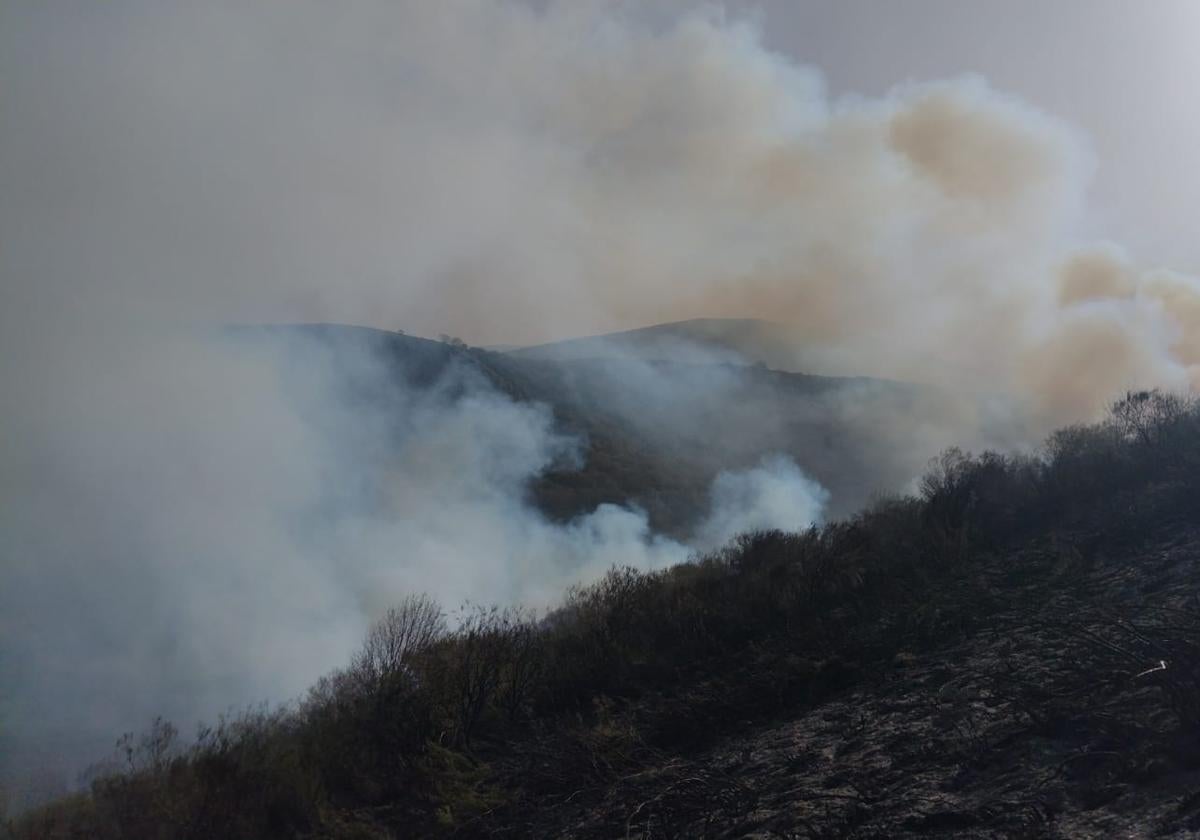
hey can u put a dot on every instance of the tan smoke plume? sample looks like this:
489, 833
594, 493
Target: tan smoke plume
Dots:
510, 173
927, 235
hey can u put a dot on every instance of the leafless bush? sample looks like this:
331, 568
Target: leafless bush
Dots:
404, 631
1146, 417
475, 660
523, 661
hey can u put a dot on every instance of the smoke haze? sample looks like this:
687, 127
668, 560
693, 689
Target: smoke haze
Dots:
190, 522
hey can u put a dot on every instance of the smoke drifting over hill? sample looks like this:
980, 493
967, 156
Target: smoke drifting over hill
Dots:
183, 528
203, 522
456, 164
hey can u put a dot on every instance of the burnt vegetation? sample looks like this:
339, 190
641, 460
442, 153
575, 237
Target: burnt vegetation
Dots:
1020, 641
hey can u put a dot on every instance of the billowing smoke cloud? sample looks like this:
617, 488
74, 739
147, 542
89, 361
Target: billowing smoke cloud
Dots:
452, 167
775, 495
210, 520
179, 533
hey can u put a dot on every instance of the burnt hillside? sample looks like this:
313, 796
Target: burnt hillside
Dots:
1014, 652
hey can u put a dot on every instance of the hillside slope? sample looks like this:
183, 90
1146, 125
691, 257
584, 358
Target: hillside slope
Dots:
1041, 722
654, 434
707, 340
1013, 653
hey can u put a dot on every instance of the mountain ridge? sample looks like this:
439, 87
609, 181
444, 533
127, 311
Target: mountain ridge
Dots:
655, 433
748, 340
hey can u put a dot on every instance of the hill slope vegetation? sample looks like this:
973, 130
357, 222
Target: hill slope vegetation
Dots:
1014, 651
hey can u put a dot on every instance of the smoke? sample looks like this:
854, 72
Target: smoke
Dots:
189, 523
206, 520
447, 166
775, 495
438, 497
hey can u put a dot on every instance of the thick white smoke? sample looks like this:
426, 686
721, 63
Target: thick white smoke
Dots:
205, 521
775, 495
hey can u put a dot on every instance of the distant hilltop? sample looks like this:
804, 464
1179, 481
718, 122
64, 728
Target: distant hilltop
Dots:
711, 340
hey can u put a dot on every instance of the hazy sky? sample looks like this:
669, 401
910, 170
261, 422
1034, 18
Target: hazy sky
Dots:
1126, 73
276, 161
